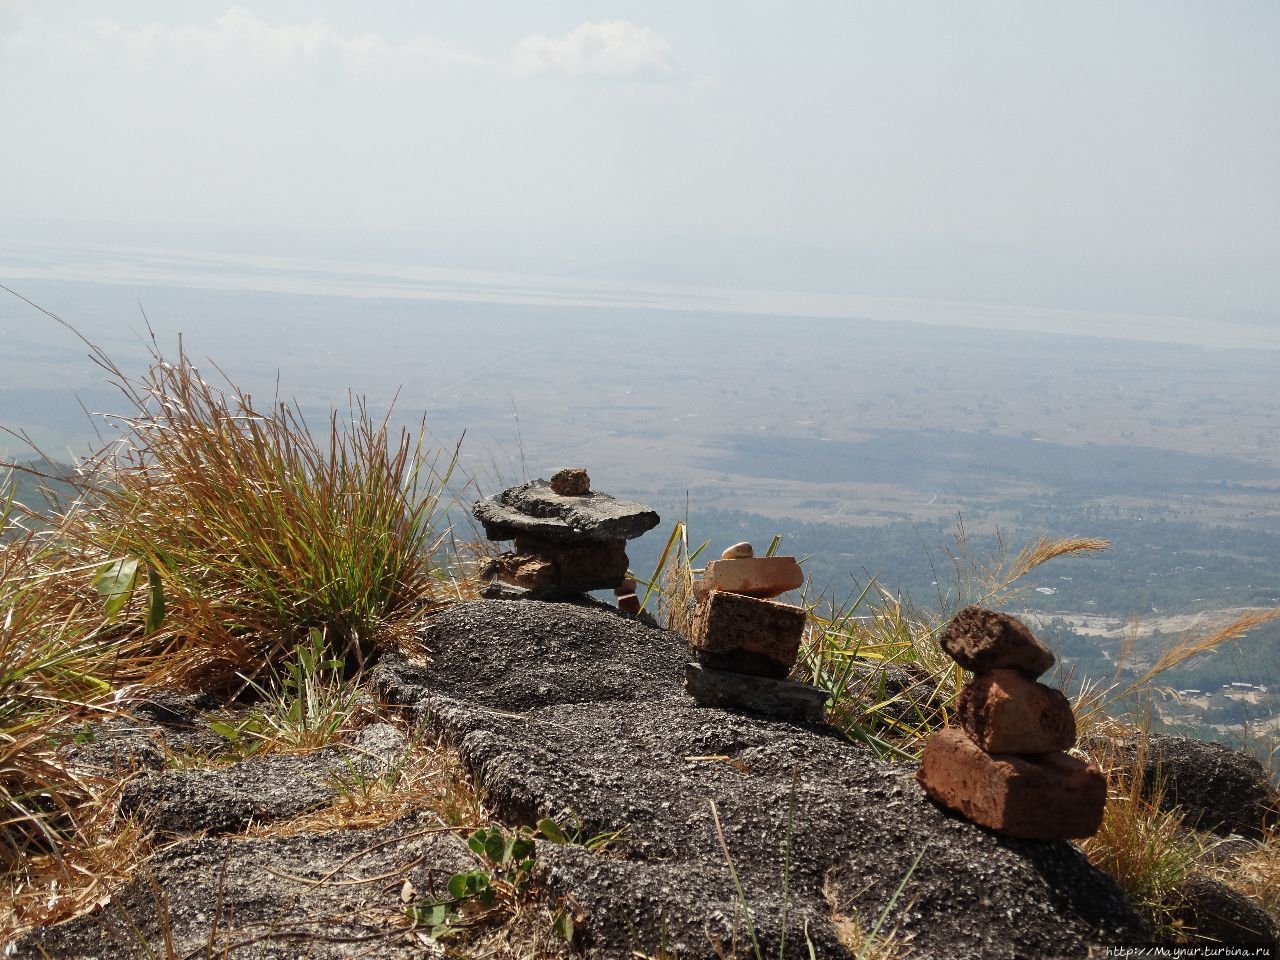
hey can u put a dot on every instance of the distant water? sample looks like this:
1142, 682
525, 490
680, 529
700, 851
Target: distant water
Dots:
139, 266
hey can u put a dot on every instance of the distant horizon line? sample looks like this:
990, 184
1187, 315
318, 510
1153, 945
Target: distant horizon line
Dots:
134, 264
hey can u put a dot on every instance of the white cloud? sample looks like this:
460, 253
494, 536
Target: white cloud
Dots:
239, 48
607, 49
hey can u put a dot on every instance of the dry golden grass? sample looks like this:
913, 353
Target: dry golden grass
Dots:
1147, 850
867, 940
429, 777
80, 872
238, 529
1257, 874
1129, 697
58, 659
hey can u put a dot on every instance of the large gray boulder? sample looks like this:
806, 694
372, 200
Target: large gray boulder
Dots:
1211, 912
572, 711
1218, 788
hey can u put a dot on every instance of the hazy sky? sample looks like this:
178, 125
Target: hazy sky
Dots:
1112, 154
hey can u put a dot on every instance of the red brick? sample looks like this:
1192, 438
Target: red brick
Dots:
532, 573
1004, 712
1049, 796
592, 565
981, 640
727, 622
762, 577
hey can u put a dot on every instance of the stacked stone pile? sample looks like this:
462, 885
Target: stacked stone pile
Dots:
1006, 766
745, 643
568, 539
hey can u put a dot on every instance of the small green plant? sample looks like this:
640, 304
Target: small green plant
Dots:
575, 833
509, 854
506, 858
308, 705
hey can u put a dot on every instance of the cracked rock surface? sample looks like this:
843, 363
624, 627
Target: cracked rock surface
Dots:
322, 896
560, 708
259, 790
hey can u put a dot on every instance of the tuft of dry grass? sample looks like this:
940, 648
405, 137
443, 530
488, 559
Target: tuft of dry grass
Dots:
670, 585
234, 529
997, 579
96, 853
1098, 702
428, 777
862, 651
1147, 850
1257, 874
55, 651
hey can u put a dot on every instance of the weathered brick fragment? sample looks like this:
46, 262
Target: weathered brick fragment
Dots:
725, 623
754, 576
531, 573
578, 567
571, 482
1004, 712
981, 640
628, 602
1047, 796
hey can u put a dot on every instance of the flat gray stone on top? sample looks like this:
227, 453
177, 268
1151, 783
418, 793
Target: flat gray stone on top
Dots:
561, 709
534, 509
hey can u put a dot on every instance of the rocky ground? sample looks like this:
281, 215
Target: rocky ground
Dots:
732, 827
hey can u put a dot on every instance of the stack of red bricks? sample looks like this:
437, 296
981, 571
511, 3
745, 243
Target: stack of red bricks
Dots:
745, 642
737, 625
1006, 766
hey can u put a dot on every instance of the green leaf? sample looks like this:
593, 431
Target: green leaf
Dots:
429, 914
521, 849
155, 600
228, 730
497, 848
476, 842
458, 886
463, 886
552, 831
563, 925
114, 582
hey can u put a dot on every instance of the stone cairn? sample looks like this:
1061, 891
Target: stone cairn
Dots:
745, 643
1006, 767
568, 540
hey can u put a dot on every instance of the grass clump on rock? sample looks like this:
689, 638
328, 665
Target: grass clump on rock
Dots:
249, 530
214, 544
